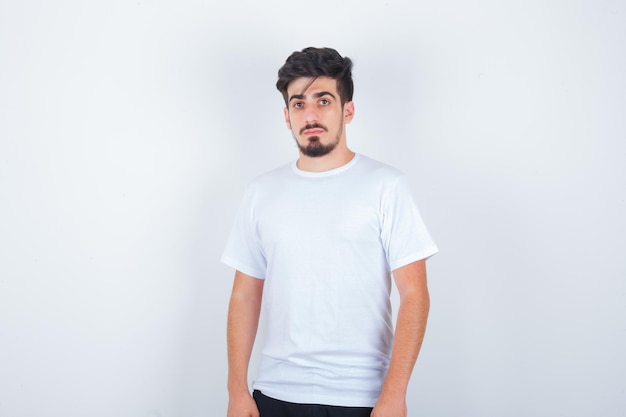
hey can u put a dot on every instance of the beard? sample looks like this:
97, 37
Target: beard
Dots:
314, 148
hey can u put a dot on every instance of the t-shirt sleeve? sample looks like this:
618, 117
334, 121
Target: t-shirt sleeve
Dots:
243, 251
404, 234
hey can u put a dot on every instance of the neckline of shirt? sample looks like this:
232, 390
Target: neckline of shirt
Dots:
334, 171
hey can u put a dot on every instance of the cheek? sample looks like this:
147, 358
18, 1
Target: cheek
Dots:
339, 120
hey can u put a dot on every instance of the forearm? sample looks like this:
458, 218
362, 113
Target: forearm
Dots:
409, 334
243, 318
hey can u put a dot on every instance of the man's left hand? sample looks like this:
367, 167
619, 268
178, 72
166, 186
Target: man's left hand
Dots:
390, 407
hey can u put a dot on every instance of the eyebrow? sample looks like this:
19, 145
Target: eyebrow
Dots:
316, 95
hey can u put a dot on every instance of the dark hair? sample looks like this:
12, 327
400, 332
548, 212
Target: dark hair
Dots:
317, 62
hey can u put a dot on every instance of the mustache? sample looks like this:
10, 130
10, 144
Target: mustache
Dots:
313, 126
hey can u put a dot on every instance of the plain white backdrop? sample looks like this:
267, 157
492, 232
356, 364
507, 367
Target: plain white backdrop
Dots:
128, 130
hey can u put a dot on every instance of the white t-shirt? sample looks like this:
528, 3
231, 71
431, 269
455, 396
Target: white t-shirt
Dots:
326, 243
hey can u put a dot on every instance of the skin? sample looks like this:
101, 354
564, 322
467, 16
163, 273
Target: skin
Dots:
317, 119
316, 102
409, 334
243, 321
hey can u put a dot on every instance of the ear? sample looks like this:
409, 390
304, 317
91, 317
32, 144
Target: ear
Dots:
348, 112
286, 112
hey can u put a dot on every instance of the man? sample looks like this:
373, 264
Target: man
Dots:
319, 240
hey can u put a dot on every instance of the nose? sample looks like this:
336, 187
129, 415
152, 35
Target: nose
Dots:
310, 115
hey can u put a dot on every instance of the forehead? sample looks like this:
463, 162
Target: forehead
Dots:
309, 85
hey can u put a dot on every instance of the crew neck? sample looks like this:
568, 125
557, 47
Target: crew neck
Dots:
334, 171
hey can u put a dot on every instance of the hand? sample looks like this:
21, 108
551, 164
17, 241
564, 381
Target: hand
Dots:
242, 405
387, 406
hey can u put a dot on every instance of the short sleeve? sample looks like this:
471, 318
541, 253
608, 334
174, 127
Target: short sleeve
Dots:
404, 234
243, 251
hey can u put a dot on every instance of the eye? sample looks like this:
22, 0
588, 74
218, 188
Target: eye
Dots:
298, 105
324, 102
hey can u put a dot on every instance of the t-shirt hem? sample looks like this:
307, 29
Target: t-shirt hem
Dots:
253, 272
309, 398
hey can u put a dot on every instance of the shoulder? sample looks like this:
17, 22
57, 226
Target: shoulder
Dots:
271, 178
379, 171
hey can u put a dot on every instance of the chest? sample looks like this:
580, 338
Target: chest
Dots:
322, 212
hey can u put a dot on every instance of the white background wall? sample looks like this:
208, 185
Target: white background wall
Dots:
128, 130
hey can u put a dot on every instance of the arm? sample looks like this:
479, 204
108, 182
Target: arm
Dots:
243, 320
410, 327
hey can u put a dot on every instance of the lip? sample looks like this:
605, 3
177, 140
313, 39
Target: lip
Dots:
315, 131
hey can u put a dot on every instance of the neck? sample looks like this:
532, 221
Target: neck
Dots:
338, 157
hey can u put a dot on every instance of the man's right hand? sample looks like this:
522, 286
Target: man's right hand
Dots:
243, 320
242, 406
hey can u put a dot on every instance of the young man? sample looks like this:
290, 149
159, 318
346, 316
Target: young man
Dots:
319, 240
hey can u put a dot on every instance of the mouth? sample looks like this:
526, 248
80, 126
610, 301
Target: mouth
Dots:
313, 130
